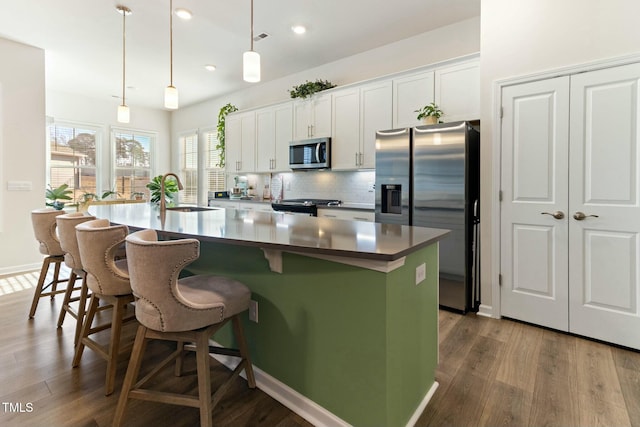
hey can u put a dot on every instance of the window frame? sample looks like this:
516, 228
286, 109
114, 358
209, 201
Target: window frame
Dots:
99, 144
113, 167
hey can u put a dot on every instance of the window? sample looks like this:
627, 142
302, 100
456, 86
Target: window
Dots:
72, 158
214, 173
189, 172
132, 169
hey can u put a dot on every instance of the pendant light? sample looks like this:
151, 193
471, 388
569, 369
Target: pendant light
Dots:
251, 60
170, 92
123, 110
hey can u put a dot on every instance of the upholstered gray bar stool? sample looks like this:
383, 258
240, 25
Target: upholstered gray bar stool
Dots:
187, 310
107, 278
44, 229
69, 243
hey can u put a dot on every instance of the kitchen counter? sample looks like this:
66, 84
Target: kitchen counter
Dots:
279, 231
347, 332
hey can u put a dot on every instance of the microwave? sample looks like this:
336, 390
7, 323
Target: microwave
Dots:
310, 154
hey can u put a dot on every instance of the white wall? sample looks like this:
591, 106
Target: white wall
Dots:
531, 36
22, 152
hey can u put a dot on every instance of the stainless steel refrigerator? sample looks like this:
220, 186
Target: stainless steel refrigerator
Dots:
429, 176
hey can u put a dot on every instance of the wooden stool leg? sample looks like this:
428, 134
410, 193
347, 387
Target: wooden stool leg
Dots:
179, 360
238, 330
86, 328
204, 379
56, 278
67, 298
82, 308
132, 374
38, 291
114, 345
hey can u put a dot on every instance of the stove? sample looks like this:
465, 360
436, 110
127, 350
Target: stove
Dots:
303, 206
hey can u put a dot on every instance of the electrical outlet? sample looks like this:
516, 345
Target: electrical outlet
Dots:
421, 273
253, 311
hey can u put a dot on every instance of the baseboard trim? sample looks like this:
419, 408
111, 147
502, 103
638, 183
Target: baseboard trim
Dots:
486, 311
421, 407
301, 405
18, 269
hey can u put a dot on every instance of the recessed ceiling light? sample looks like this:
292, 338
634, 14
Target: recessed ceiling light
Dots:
183, 13
210, 67
299, 29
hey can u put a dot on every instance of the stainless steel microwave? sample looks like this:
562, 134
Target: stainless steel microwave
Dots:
310, 154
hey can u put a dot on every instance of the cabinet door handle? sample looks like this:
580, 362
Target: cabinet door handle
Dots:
311, 127
356, 159
361, 159
579, 216
556, 214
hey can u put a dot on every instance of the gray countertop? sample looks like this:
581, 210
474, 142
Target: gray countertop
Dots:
280, 231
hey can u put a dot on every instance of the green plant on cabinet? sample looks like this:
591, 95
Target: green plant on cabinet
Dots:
430, 110
307, 89
170, 189
222, 116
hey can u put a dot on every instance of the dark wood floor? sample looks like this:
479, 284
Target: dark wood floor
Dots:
491, 373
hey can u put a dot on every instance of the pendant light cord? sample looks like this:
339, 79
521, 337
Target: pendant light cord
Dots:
124, 35
252, 25
171, 42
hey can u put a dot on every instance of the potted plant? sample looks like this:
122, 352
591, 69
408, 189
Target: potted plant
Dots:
109, 193
170, 189
138, 195
55, 195
306, 89
222, 116
429, 113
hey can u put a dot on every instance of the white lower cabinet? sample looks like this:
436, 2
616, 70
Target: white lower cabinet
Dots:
348, 214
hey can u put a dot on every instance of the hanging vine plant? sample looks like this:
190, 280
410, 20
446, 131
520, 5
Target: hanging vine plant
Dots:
222, 116
306, 89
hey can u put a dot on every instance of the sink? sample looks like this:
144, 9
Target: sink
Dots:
190, 209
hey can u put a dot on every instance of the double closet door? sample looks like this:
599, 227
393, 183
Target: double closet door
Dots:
570, 209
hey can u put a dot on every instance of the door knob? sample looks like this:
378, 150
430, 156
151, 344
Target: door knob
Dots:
579, 216
556, 214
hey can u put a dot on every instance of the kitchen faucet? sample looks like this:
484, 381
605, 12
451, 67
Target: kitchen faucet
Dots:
163, 202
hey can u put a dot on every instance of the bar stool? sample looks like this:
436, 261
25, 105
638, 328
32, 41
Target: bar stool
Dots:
44, 228
108, 281
187, 310
69, 243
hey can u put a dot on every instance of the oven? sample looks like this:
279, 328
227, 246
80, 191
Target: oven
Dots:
303, 206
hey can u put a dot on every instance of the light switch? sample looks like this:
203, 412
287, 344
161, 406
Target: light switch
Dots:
19, 186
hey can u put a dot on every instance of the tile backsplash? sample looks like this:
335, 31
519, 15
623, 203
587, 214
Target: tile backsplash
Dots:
349, 186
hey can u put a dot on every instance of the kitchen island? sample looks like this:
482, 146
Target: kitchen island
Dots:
347, 310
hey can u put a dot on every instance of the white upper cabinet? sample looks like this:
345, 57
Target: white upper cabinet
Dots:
345, 139
240, 141
375, 114
357, 114
312, 117
457, 91
411, 93
274, 132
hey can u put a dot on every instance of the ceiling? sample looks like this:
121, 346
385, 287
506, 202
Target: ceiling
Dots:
83, 40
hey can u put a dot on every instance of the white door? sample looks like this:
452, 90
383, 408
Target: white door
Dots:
534, 243
580, 272
604, 283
